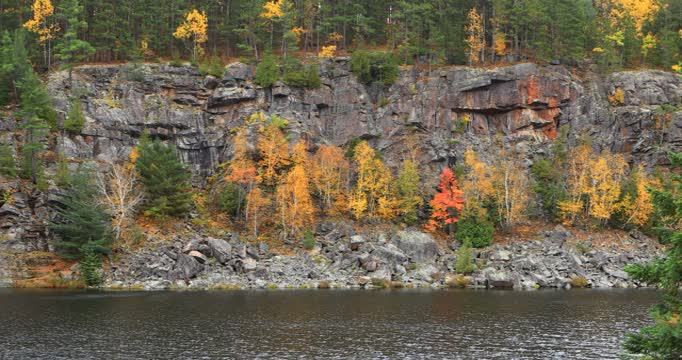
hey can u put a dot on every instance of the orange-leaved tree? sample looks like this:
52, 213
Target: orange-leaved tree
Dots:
274, 152
446, 203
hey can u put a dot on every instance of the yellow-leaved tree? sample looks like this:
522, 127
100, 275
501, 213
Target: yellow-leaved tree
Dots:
636, 204
330, 176
195, 27
603, 187
475, 37
257, 204
512, 187
274, 152
42, 23
294, 202
372, 196
577, 177
593, 184
478, 185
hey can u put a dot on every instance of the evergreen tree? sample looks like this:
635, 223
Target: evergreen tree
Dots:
6, 68
664, 339
81, 222
72, 50
166, 180
90, 266
7, 165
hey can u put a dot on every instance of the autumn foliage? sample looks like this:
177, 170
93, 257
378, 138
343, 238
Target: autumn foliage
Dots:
446, 203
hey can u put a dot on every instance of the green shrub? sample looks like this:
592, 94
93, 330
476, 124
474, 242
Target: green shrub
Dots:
63, 176
75, 120
350, 151
477, 232
464, 262
280, 122
308, 240
298, 75
176, 63
229, 200
374, 67
267, 72
134, 73
212, 66
548, 185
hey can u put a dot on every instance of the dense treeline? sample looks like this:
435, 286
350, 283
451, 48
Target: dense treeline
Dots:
612, 32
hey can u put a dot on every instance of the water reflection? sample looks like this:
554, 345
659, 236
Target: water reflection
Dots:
580, 324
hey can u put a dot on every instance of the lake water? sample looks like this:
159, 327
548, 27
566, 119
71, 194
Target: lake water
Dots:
333, 324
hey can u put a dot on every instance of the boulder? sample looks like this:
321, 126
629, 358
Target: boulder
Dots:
501, 255
356, 241
419, 247
220, 249
186, 267
620, 274
390, 254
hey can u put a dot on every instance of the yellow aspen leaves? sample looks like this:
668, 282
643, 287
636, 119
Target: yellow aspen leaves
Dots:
274, 151
474, 39
327, 52
330, 173
39, 23
594, 185
295, 204
195, 26
373, 194
272, 9
500, 43
257, 203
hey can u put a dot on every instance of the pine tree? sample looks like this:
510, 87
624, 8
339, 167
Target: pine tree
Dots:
81, 222
7, 164
166, 181
663, 340
6, 68
72, 49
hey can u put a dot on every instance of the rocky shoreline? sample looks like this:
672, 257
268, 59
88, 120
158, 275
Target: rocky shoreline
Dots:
408, 258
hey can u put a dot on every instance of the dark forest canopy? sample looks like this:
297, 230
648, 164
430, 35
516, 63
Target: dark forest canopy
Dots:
613, 33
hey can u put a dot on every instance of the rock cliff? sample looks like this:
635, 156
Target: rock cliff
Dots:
440, 113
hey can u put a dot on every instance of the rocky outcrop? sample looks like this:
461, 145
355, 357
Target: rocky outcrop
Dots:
441, 113
553, 261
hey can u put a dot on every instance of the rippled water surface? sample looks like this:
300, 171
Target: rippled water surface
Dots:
467, 324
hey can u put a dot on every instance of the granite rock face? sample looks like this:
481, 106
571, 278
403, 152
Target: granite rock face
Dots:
440, 113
